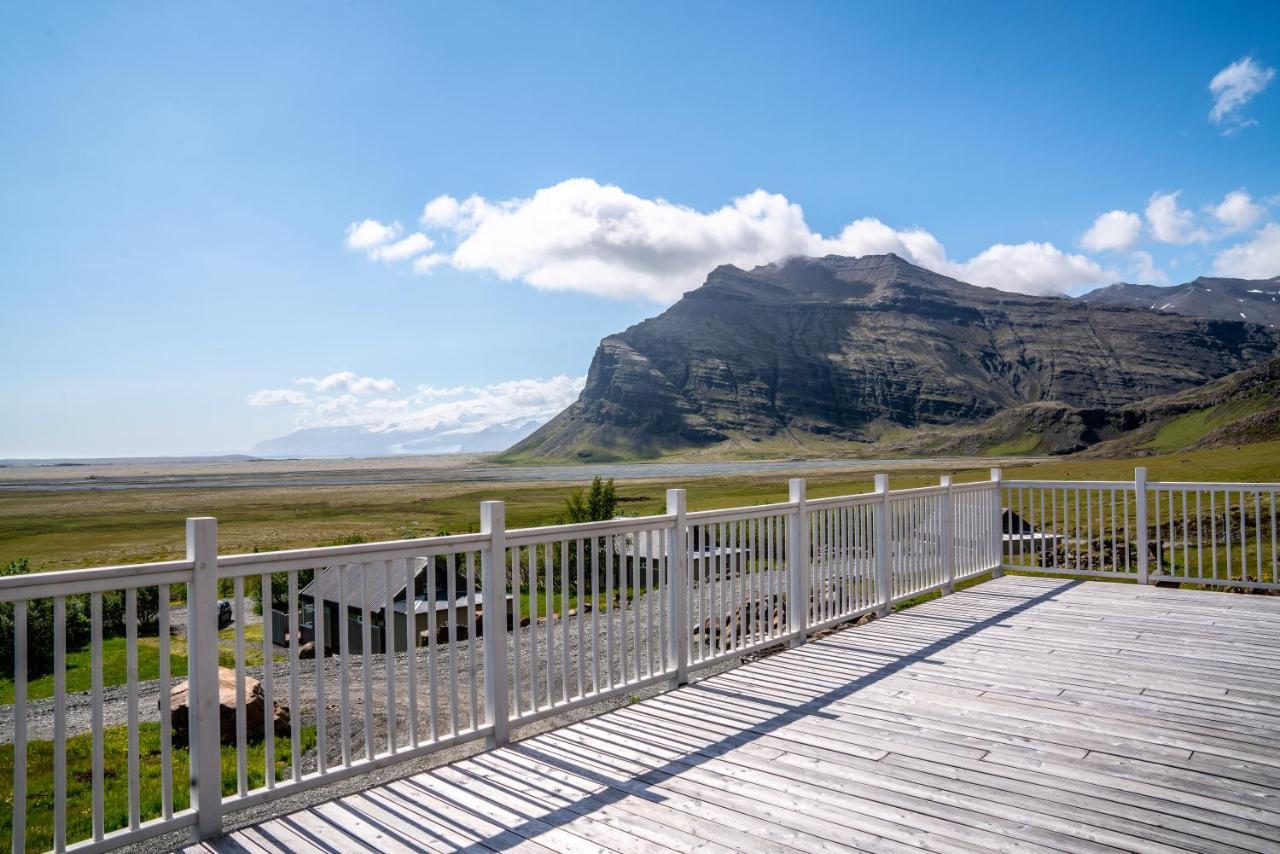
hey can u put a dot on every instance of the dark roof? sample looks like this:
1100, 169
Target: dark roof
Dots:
365, 582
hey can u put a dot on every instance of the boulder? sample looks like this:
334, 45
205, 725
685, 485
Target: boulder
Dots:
254, 703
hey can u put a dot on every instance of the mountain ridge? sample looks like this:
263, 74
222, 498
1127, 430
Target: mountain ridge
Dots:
816, 351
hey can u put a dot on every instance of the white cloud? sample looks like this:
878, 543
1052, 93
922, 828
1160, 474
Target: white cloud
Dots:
1171, 223
1031, 268
456, 410
1257, 258
1238, 211
1112, 231
1145, 270
351, 382
583, 236
414, 244
369, 233
278, 397
1232, 88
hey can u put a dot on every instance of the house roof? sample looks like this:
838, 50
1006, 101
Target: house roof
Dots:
365, 583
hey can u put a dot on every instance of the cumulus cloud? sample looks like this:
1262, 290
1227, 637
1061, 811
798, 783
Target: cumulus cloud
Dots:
1234, 87
1144, 269
1171, 223
348, 381
278, 397
1031, 268
1257, 258
1238, 211
401, 250
580, 235
454, 410
1113, 231
369, 233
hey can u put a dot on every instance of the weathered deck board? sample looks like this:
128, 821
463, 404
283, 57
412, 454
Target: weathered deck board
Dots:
1021, 715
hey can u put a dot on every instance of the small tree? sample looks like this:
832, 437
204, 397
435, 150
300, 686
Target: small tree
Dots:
597, 504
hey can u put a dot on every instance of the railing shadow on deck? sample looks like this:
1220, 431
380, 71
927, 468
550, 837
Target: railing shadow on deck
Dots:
540, 819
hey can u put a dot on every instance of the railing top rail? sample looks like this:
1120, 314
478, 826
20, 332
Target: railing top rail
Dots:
524, 536
975, 486
1068, 484
40, 585
326, 555
843, 500
916, 492
1202, 486
741, 512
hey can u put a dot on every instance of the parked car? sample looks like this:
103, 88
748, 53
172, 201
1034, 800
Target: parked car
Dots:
224, 613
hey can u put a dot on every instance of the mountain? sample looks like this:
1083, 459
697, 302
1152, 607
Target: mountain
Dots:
1240, 408
815, 353
364, 442
1252, 300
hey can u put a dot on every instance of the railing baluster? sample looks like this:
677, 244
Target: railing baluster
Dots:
344, 665
268, 679
295, 708
517, 582
581, 616
242, 738
366, 669
95, 652
166, 714
472, 636
451, 593
412, 567
131, 678
60, 724
564, 621
18, 824
433, 635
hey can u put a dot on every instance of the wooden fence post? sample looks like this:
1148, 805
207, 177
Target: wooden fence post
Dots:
948, 535
798, 563
493, 571
204, 736
678, 586
1140, 496
997, 516
884, 548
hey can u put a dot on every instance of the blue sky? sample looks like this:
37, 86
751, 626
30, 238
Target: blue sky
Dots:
179, 186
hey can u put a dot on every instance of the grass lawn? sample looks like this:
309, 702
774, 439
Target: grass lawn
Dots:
115, 662
60, 530
115, 783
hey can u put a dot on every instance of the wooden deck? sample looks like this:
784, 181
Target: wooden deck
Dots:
1022, 714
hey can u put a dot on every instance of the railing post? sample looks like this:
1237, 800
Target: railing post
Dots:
204, 735
884, 561
997, 523
797, 563
678, 587
1140, 496
493, 566
948, 536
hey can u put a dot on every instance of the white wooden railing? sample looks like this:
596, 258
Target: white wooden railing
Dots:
536, 622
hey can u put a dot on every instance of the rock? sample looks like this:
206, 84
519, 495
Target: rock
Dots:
866, 618
254, 702
849, 349
307, 650
280, 721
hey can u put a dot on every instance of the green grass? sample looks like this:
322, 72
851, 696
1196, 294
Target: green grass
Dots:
115, 787
75, 529
115, 662
1025, 444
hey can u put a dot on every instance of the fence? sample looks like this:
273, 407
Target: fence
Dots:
418, 645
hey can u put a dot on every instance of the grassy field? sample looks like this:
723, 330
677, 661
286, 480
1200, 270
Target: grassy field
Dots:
73, 529
115, 789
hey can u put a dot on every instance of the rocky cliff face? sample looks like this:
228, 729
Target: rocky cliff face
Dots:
1250, 300
815, 351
